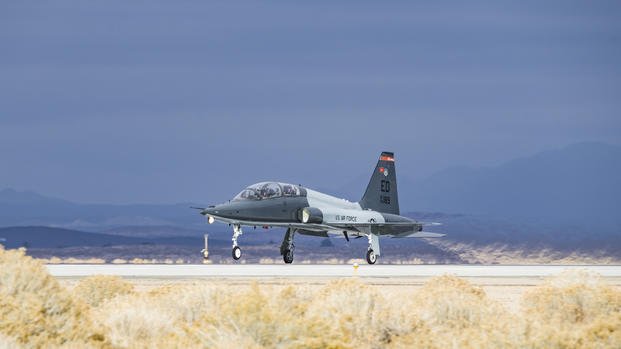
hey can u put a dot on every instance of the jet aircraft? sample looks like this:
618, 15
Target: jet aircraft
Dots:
305, 211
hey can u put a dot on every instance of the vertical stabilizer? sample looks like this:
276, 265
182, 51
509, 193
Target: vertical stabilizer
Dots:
381, 193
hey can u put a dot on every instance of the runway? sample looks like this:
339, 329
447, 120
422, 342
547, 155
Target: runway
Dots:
320, 271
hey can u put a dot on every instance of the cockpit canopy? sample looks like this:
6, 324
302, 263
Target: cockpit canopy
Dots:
270, 190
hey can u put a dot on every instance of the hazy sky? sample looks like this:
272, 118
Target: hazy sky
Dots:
129, 101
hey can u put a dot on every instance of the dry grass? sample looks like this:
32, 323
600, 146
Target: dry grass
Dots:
570, 311
94, 290
573, 310
8, 342
36, 310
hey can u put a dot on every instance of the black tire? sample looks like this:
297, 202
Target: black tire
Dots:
371, 257
236, 253
288, 256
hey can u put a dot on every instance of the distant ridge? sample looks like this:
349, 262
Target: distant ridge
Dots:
48, 237
15, 197
578, 184
21, 208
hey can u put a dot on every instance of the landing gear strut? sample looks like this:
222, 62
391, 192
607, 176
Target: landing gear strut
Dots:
237, 231
374, 249
287, 247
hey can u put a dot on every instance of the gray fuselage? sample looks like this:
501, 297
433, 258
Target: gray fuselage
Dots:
287, 206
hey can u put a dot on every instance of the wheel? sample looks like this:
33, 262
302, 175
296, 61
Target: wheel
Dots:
371, 257
288, 256
236, 253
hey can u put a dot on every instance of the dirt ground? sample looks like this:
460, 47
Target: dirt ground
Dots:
505, 290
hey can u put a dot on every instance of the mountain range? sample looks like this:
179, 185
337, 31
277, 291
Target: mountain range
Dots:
576, 186
19, 208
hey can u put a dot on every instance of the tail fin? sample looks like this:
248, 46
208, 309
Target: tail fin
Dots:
381, 193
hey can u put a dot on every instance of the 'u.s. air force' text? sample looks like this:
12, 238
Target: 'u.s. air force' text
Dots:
346, 218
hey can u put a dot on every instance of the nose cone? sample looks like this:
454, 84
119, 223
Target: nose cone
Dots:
208, 211
222, 210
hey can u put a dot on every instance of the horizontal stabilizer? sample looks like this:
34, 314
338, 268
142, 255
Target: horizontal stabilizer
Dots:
419, 234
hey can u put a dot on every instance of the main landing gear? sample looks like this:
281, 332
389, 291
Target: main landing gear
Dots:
371, 256
287, 247
237, 231
374, 250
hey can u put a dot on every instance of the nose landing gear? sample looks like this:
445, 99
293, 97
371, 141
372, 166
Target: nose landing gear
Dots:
237, 231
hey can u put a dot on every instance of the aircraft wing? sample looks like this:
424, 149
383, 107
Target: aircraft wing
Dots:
360, 227
419, 234
306, 226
